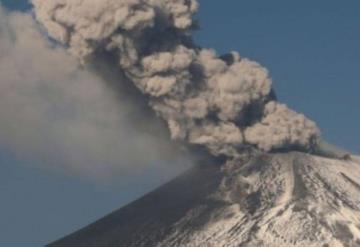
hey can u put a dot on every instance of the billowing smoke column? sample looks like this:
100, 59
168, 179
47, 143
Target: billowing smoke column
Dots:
224, 103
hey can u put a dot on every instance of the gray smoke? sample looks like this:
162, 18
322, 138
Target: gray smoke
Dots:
223, 103
54, 111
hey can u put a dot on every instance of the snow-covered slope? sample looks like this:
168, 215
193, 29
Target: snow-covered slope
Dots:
272, 200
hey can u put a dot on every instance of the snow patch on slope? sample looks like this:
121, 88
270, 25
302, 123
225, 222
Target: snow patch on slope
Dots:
280, 200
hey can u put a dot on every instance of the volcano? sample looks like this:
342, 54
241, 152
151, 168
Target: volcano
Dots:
272, 200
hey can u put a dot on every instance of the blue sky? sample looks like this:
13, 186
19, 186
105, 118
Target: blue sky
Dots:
312, 51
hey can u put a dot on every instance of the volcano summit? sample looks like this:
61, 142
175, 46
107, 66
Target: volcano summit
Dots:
274, 200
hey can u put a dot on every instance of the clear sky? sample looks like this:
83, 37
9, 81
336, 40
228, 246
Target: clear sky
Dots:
312, 51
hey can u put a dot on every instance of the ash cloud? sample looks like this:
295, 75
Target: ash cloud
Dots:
224, 103
54, 111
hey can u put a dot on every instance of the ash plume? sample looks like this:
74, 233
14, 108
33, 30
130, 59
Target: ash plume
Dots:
68, 118
224, 103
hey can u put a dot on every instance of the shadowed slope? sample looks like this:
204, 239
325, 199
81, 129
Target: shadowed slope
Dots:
152, 214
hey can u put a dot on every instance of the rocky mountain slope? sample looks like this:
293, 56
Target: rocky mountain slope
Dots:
272, 200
